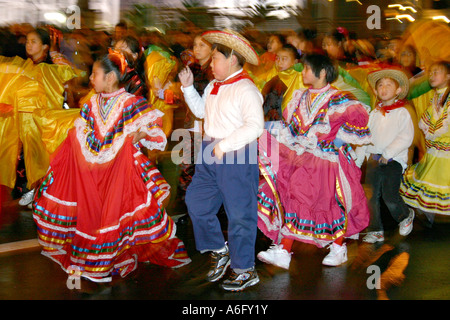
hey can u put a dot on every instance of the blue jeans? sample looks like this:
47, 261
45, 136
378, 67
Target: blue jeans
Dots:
236, 187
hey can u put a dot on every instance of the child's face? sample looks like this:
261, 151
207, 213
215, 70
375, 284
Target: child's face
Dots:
220, 65
34, 46
438, 77
331, 47
387, 89
285, 60
202, 50
98, 78
294, 40
394, 47
407, 58
309, 78
274, 44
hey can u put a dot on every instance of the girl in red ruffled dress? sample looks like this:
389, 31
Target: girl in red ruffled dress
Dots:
99, 208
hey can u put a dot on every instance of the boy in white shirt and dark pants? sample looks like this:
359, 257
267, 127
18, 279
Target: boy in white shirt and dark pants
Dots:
227, 170
392, 132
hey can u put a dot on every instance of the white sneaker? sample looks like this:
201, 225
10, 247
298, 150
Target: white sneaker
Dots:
337, 255
406, 225
277, 256
27, 198
374, 236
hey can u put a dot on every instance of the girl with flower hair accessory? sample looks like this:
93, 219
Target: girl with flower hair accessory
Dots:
100, 205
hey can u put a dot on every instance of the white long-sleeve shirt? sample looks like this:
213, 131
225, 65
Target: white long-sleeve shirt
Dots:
392, 135
234, 115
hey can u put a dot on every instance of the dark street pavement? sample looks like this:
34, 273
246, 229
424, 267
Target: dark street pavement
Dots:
416, 267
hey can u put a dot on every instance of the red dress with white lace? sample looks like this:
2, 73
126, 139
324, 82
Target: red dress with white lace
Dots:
98, 209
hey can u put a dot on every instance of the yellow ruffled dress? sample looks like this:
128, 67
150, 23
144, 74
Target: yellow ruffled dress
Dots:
161, 65
426, 184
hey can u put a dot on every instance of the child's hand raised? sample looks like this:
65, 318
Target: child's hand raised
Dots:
186, 77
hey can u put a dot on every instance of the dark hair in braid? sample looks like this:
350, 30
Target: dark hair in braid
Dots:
110, 64
135, 47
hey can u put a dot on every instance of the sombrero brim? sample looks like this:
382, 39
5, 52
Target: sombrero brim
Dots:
235, 41
397, 75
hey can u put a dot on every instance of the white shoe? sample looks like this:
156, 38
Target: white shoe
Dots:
406, 225
374, 236
277, 256
27, 198
337, 255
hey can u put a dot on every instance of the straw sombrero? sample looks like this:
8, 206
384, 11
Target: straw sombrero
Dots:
235, 41
396, 74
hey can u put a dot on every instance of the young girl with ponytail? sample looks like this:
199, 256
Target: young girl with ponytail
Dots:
99, 209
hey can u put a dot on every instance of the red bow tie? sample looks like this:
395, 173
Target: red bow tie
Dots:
236, 78
387, 109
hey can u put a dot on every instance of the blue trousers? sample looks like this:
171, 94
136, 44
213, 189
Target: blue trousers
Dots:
235, 185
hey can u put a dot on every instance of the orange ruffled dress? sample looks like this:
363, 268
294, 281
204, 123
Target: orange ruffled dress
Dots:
99, 209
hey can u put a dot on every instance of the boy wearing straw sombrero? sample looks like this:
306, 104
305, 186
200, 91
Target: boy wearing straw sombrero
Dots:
227, 169
392, 134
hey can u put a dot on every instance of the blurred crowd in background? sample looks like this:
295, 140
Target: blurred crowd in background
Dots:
82, 46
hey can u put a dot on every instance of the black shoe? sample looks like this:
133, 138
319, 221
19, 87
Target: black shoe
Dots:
240, 281
219, 264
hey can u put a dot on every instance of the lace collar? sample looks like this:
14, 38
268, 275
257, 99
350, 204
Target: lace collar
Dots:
112, 94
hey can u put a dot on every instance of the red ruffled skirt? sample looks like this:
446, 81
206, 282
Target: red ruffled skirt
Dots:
102, 219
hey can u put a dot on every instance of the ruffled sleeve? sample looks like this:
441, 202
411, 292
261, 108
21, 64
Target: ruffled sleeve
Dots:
156, 138
140, 116
354, 118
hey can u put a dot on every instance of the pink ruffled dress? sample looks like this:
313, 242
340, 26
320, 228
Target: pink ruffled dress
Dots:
310, 189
